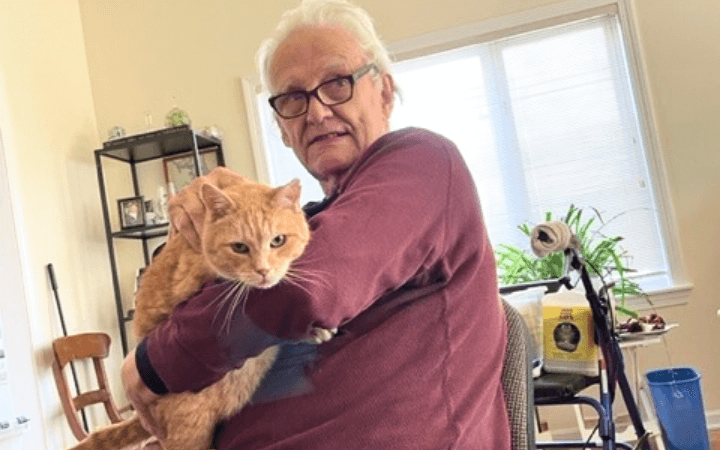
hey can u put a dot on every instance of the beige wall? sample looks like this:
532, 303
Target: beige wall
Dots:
141, 54
49, 130
69, 76
147, 55
681, 44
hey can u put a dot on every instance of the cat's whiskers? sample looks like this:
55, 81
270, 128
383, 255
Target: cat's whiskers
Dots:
305, 259
230, 285
234, 295
294, 282
314, 276
294, 278
299, 265
230, 293
238, 299
243, 297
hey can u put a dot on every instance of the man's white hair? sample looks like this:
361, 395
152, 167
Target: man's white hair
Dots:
324, 12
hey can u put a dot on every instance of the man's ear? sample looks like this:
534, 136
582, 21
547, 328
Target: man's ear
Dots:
388, 94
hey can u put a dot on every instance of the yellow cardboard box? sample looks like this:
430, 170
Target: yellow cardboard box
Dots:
569, 338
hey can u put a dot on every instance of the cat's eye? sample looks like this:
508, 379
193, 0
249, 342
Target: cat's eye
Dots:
239, 247
277, 241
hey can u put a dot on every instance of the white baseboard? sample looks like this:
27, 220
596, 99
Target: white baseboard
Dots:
712, 418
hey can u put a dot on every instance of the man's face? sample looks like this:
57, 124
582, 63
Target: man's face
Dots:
329, 139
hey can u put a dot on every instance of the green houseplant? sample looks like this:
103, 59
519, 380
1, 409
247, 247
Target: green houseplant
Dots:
602, 254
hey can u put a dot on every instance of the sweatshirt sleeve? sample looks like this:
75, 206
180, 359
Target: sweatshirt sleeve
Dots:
387, 227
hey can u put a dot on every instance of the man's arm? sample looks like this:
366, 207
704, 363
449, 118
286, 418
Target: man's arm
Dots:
139, 395
387, 227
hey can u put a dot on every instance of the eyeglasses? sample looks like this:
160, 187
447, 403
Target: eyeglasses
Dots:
332, 92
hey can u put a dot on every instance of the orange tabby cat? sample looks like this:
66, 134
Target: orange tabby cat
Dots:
251, 235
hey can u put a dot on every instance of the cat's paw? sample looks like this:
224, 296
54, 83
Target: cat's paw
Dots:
149, 444
321, 335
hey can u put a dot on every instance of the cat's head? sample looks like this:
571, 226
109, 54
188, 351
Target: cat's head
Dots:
253, 232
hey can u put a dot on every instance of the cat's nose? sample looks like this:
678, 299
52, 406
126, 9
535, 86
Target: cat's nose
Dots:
263, 271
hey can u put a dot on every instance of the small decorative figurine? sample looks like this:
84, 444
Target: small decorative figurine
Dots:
116, 132
177, 117
162, 212
213, 131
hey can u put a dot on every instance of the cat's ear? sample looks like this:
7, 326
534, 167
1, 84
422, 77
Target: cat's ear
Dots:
215, 200
288, 196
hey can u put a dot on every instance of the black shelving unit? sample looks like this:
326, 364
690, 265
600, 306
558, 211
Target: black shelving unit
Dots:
134, 150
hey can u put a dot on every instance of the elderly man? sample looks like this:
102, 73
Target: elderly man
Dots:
407, 272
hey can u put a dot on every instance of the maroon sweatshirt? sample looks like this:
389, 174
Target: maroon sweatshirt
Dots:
400, 262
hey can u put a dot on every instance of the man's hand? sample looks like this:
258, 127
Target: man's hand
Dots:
140, 396
187, 211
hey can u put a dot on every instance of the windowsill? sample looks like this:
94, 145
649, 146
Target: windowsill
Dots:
661, 298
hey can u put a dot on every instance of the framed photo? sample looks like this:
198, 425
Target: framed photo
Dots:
132, 212
180, 170
152, 214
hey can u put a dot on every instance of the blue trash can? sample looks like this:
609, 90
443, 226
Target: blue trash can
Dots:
679, 406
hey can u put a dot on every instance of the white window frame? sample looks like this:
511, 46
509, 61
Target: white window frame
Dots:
546, 16
251, 89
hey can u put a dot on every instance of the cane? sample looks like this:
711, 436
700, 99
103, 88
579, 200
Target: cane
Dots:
53, 283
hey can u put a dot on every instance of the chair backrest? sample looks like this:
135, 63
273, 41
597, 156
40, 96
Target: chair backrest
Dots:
94, 346
517, 381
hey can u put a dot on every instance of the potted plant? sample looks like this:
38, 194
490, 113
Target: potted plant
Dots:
602, 254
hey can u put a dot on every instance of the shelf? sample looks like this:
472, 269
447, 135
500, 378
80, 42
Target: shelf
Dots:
146, 232
156, 144
133, 150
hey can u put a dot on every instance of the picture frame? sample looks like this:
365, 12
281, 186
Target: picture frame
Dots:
149, 206
131, 211
180, 170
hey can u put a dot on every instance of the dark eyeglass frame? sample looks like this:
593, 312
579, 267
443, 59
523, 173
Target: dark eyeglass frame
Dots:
351, 78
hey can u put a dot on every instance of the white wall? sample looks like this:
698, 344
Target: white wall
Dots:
18, 394
49, 130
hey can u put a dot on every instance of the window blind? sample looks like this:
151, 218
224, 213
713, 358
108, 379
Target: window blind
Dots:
545, 119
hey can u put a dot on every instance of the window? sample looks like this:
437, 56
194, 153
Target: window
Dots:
545, 117
278, 164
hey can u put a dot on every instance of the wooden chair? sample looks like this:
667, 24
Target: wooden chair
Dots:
93, 346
